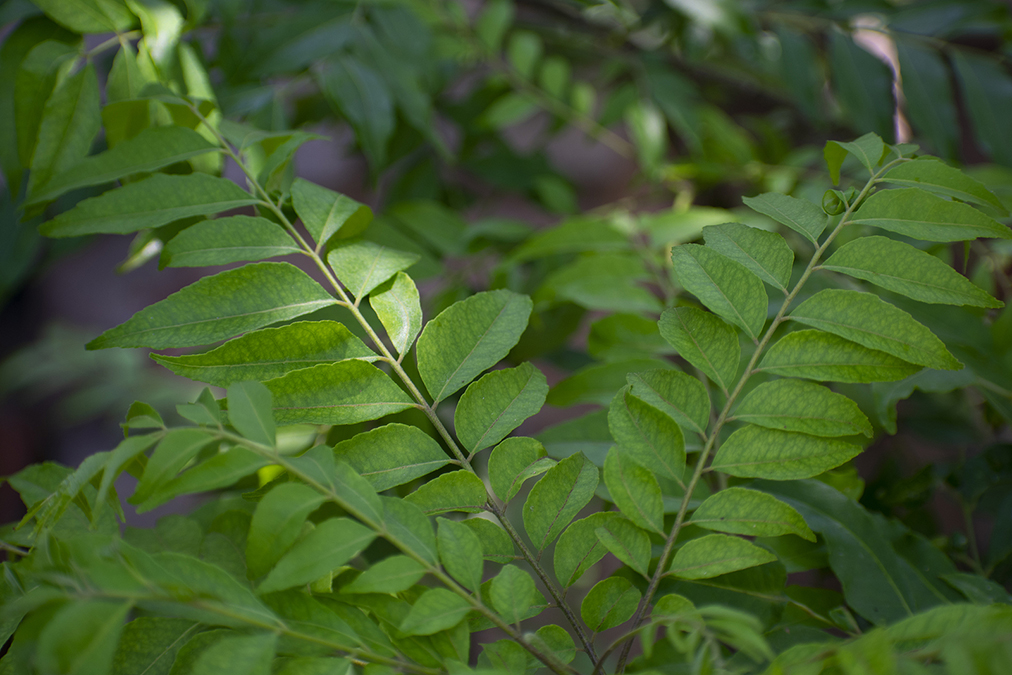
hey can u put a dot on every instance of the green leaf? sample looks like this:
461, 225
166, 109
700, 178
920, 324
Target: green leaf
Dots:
314, 665
124, 454
455, 491
392, 455
269, 353
241, 655
363, 265
177, 448
609, 281
795, 405
152, 202
816, 355
391, 575
766, 254
226, 240
757, 452
70, 121
153, 148
497, 404
681, 396
329, 545
555, 640
611, 602
81, 637
867, 320
360, 95
930, 174
249, 411
397, 305
514, 461
930, 103
726, 287
705, 341
338, 393
579, 547
219, 307
326, 213
496, 544
220, 471
626, 542
436, 610
901, 268
649, 133
410, 526
800, 215
862, 85
126, 81
45, 65
716, 554
647, 436
556, 499
88, 16
512, 593
574, 235
460, 551
277, 523
469, 337
987, 91
750, 512
149, 645
507, 110
492, 23
921, 215
524, 52
634, 490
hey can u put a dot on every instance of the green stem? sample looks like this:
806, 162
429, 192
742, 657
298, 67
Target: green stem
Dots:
722, 418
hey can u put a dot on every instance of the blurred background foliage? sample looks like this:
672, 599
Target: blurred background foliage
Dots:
555, 147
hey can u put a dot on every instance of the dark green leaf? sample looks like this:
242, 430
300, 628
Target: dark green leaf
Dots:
930, 104
816, 355
987, 93
800, 215
705, 341
329, 545
360, 95
681, 396
397, 305
726, 287
626, 542
177, 448
555, 640
81, 637
862, 84
219, 307
269, 353
438, 609
716, 554
460, 551
611, 602
149, 645
249, 411
930, 174
89, 16
514, 461
326, 213
496, 544
575, 235
579, 547
410, 526
915, 213
220, 471
556, 499
757, 452
750, 512
764, 253
497, 404
634, 490
469, 337
277, 523
795, 405
241, 655
152, 202
647, 436
392, 455
226, 240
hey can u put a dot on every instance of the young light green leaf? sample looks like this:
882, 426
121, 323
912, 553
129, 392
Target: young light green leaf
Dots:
647, 436
362, 265
868, 149
397, 305
460, 551
634, 490
469, 337
627, 542
681, 396
815, 355
800, 215
326, 213
740, 511
928, 173
410, 526
805, 407
219, 307
126, 81
391, 575
149, 644
764, 253
249, 411
555, 499
177, 448
153, 148
329, 545
726, 287
81, 637
276, 524
338, 393
70, 121
152, 202
392, 455
514, 461
226, 240
611, 602
705, 341
512, 593
455, 491
579, 547
716, 554
497, 404
915, 213
901, 268
242, 655
865, 319
757, 452
436, 610
496, 544
270, 353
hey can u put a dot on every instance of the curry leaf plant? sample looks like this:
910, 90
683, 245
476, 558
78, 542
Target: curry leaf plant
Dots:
388, 548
